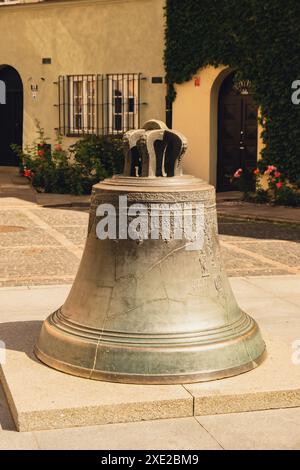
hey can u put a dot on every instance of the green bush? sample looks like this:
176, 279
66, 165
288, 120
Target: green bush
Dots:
261, 196
287, 196
52, 169
95, 158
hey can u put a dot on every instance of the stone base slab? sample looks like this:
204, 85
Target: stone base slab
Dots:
42, 398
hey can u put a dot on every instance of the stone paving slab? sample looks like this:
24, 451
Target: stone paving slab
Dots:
41, 398
45, 263
32, 231
273, 385
168, 434
264, 430
27, 233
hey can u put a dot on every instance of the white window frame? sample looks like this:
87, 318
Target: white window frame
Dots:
126, 95
86, 111
11, 2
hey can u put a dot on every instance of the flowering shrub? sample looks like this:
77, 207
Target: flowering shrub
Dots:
95, 158
280, 191
53, 169
243, 180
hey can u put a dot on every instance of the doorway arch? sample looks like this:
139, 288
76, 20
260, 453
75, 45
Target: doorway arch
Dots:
195, 114
11, 114
237, 131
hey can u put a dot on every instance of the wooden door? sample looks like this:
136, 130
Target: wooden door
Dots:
237, 136
11, 116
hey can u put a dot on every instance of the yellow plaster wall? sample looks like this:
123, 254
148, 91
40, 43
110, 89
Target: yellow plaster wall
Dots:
82, 37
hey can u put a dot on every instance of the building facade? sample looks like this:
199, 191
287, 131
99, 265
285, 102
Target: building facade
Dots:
97, 67
83, 67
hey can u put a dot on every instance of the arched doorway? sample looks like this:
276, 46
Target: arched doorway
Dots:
237, 131
11, 114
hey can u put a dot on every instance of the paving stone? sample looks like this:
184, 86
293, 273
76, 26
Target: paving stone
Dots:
239, 264
264, 430
22, 236
62, 217
170, 434
30, 303
36, 265
77, 234
42, 398
263, 242
274, 384
13, 217
283, 286
11, 440
286, 253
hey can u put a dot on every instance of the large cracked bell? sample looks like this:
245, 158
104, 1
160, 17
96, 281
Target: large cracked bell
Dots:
149, 306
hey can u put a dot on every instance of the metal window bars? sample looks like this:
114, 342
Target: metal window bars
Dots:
99, 104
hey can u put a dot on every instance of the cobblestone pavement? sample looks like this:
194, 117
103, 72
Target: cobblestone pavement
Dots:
253, 248
44, 245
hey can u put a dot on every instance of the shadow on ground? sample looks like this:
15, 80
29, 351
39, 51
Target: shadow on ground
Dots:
258, 229
17, 336
21, 336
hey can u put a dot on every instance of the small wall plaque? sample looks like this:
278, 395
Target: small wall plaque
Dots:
157, 79
197, 81
46, 60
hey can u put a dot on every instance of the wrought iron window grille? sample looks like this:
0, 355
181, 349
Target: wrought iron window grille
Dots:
99, 104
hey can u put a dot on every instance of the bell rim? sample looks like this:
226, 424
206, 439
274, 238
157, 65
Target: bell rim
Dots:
163, 379
247, 357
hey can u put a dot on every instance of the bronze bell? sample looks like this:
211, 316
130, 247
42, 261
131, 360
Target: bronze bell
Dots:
151, 309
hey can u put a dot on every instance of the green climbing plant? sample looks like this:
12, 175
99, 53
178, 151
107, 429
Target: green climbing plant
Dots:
260, 38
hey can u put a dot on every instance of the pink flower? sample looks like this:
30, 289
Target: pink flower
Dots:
41, 153
238, 173
277, 174
270, 169
58, 148
27, 173
279, 185
256, 172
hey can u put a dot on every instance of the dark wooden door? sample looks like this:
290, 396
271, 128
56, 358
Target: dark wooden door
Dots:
11, 116
237, 139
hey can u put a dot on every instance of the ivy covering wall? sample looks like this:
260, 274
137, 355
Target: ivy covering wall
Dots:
261, 38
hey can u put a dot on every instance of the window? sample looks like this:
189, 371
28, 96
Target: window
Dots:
5, 2
11, 2
99, 104
124, 107
82, 101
